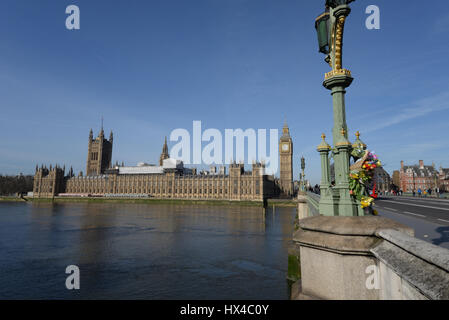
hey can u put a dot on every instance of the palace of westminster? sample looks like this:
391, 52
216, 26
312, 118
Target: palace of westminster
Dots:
168, 180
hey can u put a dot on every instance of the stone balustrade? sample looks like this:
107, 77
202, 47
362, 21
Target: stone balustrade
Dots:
369, 258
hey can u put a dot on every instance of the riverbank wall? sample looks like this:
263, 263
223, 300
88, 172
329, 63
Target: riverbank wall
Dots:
269, 202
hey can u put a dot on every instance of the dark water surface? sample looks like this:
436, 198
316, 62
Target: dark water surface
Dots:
142, 251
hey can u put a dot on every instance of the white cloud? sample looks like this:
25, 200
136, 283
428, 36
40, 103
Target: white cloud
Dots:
418, 109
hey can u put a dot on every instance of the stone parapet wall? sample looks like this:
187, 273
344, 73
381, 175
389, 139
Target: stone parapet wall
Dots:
410, 268
313, 201
368, 258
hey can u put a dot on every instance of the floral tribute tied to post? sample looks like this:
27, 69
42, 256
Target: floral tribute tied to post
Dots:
361, 179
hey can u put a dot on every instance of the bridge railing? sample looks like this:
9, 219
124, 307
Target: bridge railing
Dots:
313, 203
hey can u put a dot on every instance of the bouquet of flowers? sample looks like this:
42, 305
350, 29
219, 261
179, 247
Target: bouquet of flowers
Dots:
360, 179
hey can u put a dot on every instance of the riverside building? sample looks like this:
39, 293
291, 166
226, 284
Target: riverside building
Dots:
168, 180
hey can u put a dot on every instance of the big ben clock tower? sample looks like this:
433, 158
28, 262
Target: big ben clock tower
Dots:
286, 162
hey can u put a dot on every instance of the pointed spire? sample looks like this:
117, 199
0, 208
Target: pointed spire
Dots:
164, 154
101, 130
285, 129
111, 137
91, 135
165, 148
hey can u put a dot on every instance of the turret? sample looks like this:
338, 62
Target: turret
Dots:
258, 168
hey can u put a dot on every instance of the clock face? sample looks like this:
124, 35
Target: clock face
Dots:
285, 147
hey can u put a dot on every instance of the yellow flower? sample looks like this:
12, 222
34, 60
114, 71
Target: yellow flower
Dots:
366, 202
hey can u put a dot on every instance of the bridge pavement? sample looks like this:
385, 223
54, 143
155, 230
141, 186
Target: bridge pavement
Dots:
428, 216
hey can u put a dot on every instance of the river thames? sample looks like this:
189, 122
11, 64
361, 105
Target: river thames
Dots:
144, 251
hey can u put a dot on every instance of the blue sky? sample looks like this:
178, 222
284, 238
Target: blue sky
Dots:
152, 66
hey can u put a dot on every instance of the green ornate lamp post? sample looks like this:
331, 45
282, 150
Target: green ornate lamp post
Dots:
303, 175
336, 199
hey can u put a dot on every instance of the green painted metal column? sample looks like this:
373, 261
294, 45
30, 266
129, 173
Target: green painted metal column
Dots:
328, 205
347, 206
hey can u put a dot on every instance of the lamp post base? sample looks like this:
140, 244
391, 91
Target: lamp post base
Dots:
328, 202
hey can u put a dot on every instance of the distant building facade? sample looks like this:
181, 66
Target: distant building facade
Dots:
168, 180
48, 182
443, 179
382, 180
396, 179
415, 177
